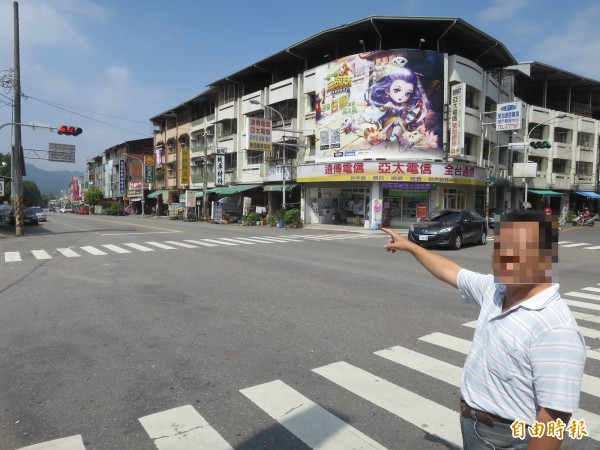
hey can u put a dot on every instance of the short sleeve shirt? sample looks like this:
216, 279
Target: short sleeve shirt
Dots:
527, 357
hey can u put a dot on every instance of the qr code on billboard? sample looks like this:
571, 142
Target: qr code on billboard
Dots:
334, 138
324, 136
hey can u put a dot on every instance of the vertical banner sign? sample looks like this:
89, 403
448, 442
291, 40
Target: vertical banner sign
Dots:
75, 184
457, 120
258, 134
185, 166
122, 177
219, 170
246, 206
149, 175
1, 187
508, 116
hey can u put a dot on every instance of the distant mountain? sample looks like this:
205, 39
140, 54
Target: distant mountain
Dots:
50, 181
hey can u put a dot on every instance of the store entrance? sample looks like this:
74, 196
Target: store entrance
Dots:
400, 207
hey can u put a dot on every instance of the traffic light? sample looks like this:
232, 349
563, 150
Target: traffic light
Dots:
69, 131
540, 144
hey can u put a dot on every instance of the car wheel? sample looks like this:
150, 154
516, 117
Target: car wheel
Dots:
457, 242
483, 237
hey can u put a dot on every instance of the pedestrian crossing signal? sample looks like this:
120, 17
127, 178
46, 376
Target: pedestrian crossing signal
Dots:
69, 130
540, 144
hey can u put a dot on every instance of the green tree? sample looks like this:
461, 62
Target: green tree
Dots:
31, 194
93, 196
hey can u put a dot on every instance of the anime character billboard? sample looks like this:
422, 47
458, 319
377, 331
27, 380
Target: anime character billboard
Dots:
384, 104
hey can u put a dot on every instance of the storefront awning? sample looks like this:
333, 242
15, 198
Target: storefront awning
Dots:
544, 192
279, 187
157, 193
589, 194
232, 189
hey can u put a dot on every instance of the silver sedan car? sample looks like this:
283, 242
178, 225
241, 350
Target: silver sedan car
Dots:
39, 212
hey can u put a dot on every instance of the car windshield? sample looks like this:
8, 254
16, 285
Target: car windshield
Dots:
37, 210
444, 216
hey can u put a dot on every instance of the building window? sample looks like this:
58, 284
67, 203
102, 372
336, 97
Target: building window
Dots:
230, 160
535, 131
311, 145
585, 140
310, 103
255, 157
454, 198
561, 135
539, 160
472, 98
227, 127
559, 165
584, 168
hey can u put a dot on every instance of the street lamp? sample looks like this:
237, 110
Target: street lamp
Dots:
256, 102
562, 116
143, 162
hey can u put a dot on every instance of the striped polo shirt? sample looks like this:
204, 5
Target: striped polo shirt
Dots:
527, 357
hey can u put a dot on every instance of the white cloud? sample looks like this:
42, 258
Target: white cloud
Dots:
576, 46
118, 74
501, 10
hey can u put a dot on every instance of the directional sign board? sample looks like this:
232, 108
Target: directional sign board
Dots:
61, 152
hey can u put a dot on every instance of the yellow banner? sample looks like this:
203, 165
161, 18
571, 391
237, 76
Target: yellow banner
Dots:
185, 166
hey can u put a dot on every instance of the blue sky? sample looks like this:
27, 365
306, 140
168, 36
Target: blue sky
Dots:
112, 60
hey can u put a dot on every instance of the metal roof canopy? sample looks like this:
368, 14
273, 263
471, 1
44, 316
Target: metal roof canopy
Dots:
444, 34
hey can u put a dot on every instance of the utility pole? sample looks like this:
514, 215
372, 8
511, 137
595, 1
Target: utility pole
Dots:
18, 165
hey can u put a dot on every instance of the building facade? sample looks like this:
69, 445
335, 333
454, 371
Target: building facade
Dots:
368, 123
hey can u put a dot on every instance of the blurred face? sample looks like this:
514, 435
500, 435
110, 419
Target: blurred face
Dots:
517, 258
400, 91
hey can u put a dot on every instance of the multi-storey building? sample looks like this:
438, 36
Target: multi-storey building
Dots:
117, 172
391, 114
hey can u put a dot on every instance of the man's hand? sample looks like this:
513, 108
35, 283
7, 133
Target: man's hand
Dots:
396, 242
440, 267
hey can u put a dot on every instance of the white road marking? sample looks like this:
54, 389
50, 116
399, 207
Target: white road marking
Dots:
214, 241
141, 248
258, 240
431, 417
12, 257
276, 239
579, 244
182, 428
590, 384
582, 295
582, 305
68, 443
205, 244
238, 241
93, 250
315, 426
181, 244
159, 245
116, 248
588, 317
591, 289
443, 340
41, 254
596, 247
68, 252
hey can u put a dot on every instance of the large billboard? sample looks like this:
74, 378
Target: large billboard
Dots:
385, 104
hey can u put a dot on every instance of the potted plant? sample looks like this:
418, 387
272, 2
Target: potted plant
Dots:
292, 218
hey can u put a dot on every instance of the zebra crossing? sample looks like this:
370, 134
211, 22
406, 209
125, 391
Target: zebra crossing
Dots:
149, 246
184, 427
582, 245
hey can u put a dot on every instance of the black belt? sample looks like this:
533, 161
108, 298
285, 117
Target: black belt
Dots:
481, 416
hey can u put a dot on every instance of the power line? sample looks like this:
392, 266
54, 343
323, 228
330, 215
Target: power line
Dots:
56, 105
48, 102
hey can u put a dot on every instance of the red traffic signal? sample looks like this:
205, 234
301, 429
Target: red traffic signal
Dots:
69, 131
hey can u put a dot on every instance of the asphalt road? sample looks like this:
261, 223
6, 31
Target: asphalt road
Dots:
278, 340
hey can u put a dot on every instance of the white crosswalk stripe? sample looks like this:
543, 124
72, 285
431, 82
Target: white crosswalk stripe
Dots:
181, 244
12, 257
182, 428
68, 252
161, 245
116, 248
41, 254
93, 250
312, 424
141, 248
205, 244
582, 295
215, 241
577, 244
438, 420
257, 240
68, 443
238, 241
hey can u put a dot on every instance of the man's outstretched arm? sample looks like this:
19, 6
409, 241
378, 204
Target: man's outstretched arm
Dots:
440, 267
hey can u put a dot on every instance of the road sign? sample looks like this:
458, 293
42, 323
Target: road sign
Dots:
61, 152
